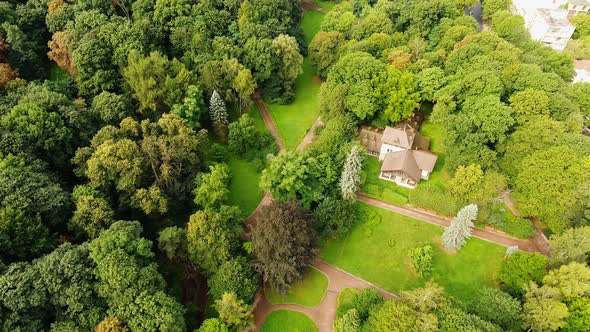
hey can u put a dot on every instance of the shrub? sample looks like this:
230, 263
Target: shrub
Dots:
435, 199
362, 301
394, 197
421, 259
333, 217
519, 269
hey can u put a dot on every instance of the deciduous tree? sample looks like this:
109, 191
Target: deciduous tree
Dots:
284, 234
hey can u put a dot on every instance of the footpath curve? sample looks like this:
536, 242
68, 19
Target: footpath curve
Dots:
323, 314
503, 240
268, 120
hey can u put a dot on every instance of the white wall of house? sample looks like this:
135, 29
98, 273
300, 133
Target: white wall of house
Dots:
425, 174
582, 76
385, 148
400, 181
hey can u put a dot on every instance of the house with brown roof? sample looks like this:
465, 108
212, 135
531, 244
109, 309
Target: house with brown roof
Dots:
404, 152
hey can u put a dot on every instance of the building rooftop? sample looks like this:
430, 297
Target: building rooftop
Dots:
579, 2
555, 17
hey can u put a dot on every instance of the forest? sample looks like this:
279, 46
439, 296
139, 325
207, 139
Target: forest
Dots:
119, 119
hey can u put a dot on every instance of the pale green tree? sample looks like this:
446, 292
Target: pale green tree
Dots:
350, 180
460, 228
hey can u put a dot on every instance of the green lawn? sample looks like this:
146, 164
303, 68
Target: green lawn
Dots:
295, 119
309, 292
376, 250
288, 321
244, 191
439, 176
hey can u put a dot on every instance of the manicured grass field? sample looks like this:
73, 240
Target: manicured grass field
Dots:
244, 191
309, 292
295, 119
288, 321
384, 190
376, 250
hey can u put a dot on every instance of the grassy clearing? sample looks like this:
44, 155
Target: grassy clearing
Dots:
244, 191
288, 321
376, 250
439, 176
294, 120
308, 292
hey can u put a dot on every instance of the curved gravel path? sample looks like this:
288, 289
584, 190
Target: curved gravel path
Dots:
323, 314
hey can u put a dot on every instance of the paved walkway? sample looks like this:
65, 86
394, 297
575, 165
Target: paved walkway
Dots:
268, 120
429, 217
323, 314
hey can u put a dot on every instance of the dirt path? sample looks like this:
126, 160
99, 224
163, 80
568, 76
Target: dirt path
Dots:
308, 139
323, 314
540, 239
310, 5
503, 240
268, 120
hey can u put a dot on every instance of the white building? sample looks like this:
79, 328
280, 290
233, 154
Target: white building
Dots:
404, 152
546, 21
582, 68
575, 7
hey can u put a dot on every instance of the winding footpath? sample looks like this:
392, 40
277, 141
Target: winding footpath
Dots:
323, 314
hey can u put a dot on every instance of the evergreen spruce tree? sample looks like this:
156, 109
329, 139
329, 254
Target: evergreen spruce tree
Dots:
460, 228
350, 180
218, 114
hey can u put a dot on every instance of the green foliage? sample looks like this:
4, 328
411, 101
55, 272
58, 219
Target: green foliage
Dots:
323, 50
156, 82
234, 312
213, 325
284, 233
470, 184
519, 269
579, 317
93, 212
234, 276
434, 198
392, 316
192, 107
129, 281
350, 322
494, 305
213, 237
582, 24
490, 7
542, 311
421, 259
245, 139
571, 280
543, 195
333, 217
111, 107
350, 180
571, 246
397, 94
510, 27
529, 103
148, 163
218, 115
362, 302
173, 242
211, 188
22, 237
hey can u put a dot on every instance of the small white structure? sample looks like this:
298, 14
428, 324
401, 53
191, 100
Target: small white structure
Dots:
546, 21
575, 7
404, 152
582, 68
